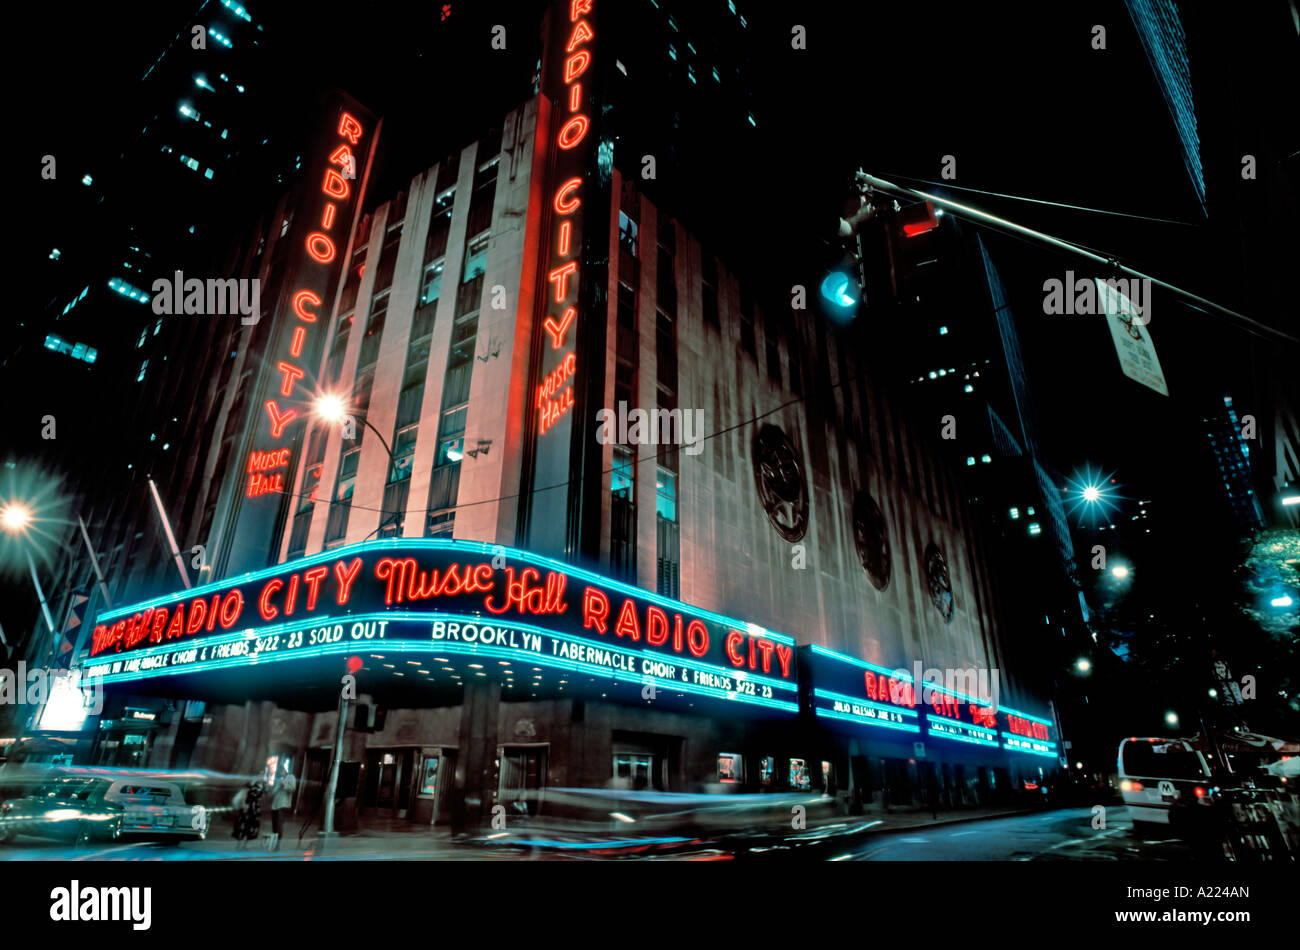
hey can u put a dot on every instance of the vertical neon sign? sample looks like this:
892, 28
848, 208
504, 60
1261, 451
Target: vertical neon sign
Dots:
324, 210
321, 249
553, 397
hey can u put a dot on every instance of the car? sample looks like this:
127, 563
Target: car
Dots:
157, 809
1166, 785
67, 808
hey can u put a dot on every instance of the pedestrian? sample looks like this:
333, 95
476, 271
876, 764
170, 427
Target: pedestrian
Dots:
248, 812
932, 793
282, 789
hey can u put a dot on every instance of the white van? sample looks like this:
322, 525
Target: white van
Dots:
1163, 782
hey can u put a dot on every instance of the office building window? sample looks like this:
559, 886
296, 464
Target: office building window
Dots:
709, 281
747, 324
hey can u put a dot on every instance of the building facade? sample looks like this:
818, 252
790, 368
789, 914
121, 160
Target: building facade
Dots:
594, 510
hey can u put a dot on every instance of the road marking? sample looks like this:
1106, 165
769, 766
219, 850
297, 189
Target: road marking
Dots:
914, 840
958, 834
1071, 841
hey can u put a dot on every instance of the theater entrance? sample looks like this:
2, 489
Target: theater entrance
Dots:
389, 780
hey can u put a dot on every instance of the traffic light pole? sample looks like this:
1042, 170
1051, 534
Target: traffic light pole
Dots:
974, 214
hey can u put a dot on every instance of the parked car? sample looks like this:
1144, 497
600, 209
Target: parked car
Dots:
69, 808
157, 809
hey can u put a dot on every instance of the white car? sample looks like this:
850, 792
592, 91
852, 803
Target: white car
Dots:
153, 808
1164, 782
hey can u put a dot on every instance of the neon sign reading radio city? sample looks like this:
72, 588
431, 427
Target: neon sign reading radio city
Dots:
266, 469
447, 596
555, 393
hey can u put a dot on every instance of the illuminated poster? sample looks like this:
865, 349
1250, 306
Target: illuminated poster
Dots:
444, 597
571, 270
325, 210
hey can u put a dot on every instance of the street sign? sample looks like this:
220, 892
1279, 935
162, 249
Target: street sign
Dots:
918, 749
1131, 332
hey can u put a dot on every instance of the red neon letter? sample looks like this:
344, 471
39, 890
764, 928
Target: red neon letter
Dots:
264, 602
576, 65
566, 229
292, 596
278, 420
595, 608
581, 33
299, 336
765, 648
573, 132
733, 653
231, 605
349, 128
563, 203
557, 330
320, 247
697, 638
313, 579
300, 301
197, 609
291, 373
627, 625
560, 278
577, 8
177, 626
345, 576
342, 157
335, 185
783, 654
656, 627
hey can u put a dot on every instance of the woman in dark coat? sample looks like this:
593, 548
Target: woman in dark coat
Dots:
248, 817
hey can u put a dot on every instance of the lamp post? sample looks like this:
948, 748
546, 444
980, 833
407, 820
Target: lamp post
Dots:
16, 518
332, 408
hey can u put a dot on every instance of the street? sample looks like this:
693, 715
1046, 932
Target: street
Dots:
1061, 835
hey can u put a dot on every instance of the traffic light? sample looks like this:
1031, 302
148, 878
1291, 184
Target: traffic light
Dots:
918, 219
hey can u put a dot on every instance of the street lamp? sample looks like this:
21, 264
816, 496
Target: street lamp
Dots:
1083, 664
17, 518
1171, 718
1119, 572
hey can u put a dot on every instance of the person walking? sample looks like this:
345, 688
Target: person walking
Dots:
248, 813
282, 789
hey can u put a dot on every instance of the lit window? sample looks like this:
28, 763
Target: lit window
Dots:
1034, 528
620, 479
189, 112
203, 83
207, 173
986, 458
943, 331
143, 366
970, 460
86, 179
223, 40
970, 388
666, 495
730, 767
1015, 513
672, 51
716, 77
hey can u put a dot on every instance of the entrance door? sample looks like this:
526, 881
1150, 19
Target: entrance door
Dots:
523, 777
388, 786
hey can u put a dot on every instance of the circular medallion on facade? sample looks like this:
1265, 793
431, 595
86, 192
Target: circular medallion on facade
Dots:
936, 573
778, 478
871, 535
